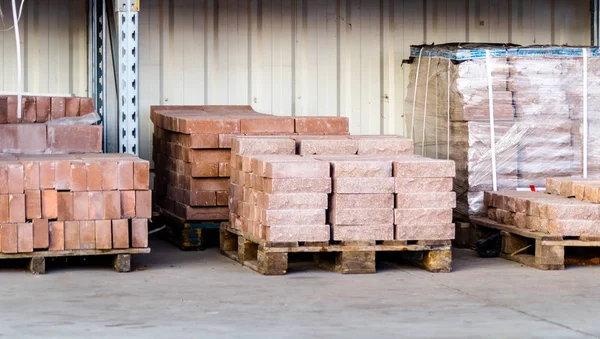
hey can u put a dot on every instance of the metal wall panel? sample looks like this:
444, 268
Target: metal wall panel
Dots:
323, 57
286, 57
53, 45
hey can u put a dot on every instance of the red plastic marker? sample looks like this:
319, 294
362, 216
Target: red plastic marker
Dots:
532, 188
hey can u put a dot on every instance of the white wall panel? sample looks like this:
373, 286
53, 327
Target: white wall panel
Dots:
53, 45
286, 57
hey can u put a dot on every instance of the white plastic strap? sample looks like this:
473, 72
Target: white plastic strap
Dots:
425, 108
488, 63
437, 67
585, 113
412, 125
448, 113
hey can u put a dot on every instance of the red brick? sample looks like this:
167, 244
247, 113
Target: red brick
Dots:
222, 198
103, 234
31, 175
42, 109
41, 234
383, 145
87, 235
4, 211
72, 106
263, 145
16, 208
94, 175
224, 169
225, 140
127, 204
125, 178
28, 107
141, 175
25, 237
267, 124
86, 106
65, 206
112, 204
57, 236
208, 125
139, 233
3, 179
298, 185
432, 199
74, 139
81, 208
321, 125
9, 238
423, 185
96, 209
3, 110
110, 175
62, 174
78, 176
12, 116
31, 138
293, 217
47, 175
143, 204
120, 233
33, 204
422, 216
71, 235
417, 167
348, 201
57, 108
198, 141
304, 168
15, 178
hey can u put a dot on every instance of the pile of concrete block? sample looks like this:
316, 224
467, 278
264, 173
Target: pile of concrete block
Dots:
424, 198
365, 184
48, 125
542, 212
73, 202
192, 152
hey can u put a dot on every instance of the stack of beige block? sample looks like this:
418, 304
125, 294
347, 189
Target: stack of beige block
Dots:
362, 203
542, 212
192, 152
365, 188
278, 196
73, 202
424, 198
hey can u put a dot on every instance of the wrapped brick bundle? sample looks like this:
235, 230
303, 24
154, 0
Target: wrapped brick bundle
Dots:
538, 110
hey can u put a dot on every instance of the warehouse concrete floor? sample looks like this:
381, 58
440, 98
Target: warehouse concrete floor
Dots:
175, 294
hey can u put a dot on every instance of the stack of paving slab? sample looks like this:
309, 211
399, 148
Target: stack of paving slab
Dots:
73, 202
542, 212
366, 176
55, 125
192, 152
538, 109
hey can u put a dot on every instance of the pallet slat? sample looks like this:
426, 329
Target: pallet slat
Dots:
349, 258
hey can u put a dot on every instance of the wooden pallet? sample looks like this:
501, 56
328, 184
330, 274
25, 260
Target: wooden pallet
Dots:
540, 250
37, 260
343, 257
188, 235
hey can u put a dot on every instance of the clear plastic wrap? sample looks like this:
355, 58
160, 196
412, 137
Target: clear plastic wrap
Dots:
84, 120
538, 102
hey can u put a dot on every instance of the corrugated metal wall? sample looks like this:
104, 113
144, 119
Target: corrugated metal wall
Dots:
53, 45
301, 57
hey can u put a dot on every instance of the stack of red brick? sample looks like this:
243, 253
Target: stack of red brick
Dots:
368, 181
73, 202
192, 152
38, 130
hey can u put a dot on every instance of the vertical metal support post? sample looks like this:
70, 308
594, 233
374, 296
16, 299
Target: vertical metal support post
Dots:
595, 24
128, 97
97, 58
